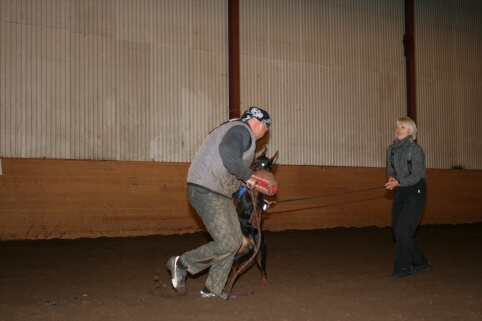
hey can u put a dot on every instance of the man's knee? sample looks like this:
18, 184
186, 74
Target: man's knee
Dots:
237, 242
231, 244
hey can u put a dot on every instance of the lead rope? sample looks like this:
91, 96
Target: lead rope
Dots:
320, 196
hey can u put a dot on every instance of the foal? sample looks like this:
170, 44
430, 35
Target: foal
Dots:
250, 216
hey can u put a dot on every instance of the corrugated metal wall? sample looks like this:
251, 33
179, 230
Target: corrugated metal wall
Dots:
449, 81
331, 72
121, 80
146, 79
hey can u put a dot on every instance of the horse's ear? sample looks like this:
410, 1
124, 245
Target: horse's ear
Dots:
264, 153
274, 158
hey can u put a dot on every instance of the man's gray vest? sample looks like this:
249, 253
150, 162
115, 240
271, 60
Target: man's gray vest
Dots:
207, 167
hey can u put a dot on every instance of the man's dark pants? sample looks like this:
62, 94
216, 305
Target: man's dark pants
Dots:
221, 220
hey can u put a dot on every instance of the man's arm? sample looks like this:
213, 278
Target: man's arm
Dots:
232, 147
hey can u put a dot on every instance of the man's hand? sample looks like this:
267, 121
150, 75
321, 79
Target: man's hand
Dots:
251, 182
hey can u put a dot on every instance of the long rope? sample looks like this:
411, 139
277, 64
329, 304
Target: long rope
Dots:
320, 196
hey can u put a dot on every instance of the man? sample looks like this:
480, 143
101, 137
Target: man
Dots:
218, 169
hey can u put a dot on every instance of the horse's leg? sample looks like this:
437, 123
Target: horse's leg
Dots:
245, 248
261, 260
234, 270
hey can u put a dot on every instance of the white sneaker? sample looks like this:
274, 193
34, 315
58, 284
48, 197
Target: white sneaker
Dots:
206, 293
178, 276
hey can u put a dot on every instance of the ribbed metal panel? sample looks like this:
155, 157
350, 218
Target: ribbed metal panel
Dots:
449, 74
125, 80
330, 72
147, 79
34, 79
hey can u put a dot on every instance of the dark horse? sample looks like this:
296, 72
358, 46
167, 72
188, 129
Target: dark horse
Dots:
250, 219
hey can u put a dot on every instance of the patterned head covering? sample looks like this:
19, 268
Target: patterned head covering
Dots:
259, 114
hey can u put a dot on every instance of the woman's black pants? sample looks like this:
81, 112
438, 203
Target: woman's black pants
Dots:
407, 209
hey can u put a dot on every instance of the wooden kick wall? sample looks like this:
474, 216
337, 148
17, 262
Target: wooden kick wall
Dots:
68, 199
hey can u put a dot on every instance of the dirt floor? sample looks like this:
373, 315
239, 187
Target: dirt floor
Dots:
334, 274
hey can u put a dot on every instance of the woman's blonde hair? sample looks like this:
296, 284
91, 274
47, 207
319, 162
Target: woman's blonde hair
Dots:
412, 127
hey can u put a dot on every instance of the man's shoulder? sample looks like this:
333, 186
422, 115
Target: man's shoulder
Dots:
237, 126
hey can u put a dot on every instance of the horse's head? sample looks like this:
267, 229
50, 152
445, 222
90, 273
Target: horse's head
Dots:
263, 162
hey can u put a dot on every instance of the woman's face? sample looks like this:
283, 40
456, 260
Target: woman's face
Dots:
401, 131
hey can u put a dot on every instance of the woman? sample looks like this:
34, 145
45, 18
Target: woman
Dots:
406, 174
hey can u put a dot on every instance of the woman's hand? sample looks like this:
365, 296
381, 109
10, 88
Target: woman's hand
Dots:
391, 184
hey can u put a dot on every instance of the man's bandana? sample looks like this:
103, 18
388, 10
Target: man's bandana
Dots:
259, 114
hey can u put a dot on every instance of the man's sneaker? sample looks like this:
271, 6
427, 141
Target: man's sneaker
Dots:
422, 268
178, 276
206, 293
